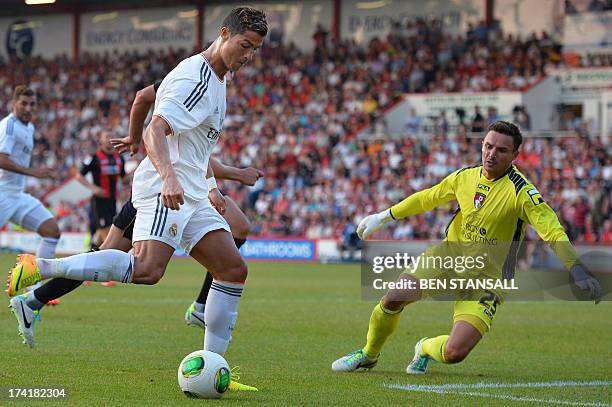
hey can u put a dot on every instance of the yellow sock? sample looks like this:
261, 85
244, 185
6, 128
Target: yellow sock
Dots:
382, 324
434, 347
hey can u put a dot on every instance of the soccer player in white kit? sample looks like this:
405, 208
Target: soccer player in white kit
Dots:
168, 189
16, 144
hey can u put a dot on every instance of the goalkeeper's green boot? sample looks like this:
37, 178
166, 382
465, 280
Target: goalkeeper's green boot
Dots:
353, 361
419, 362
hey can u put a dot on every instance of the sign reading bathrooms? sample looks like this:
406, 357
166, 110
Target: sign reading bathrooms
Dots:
140, 30
271, 249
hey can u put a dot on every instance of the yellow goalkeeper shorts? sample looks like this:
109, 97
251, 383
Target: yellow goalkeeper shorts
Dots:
479, 314
479, 311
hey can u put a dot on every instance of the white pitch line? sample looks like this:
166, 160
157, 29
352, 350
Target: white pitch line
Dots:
532, 399
558, 383
451, 389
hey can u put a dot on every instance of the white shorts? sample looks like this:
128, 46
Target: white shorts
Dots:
183, 228
22, 209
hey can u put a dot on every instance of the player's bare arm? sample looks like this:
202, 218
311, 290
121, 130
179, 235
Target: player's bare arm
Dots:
143, 101
7, 164
246, 176
214, 195
96, 190
172, 193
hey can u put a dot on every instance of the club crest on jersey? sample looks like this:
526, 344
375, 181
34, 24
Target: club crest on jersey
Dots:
173, 230
479, 199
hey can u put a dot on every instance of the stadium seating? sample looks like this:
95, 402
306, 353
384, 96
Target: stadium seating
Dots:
295, 115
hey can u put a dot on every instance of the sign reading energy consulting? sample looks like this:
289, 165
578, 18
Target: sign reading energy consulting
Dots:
140, 30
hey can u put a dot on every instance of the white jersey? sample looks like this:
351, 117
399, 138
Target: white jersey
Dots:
16, 140
191, 99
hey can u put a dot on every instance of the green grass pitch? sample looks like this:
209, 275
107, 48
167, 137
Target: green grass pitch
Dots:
122, 345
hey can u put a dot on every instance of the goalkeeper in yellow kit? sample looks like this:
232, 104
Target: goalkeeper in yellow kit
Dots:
496, 203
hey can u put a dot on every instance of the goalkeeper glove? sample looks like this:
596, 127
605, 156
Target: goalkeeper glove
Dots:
373, 223
584, 281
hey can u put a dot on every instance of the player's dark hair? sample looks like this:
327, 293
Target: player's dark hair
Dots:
22, 90
509, 129
243, 19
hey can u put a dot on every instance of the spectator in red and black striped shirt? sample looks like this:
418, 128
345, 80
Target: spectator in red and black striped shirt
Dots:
107, 169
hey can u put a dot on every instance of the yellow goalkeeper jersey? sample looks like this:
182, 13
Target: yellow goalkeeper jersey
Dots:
492, 212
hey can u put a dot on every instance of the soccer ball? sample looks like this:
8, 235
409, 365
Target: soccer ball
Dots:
204, 374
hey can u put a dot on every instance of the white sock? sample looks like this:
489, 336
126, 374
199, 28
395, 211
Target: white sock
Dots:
105, 265
220, 315
46, 250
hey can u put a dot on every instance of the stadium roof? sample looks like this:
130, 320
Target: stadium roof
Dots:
19, 8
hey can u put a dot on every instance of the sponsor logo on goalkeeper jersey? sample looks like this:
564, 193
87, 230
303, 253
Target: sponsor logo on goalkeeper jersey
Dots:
478, 234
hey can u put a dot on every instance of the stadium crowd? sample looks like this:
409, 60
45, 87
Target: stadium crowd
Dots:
295, 115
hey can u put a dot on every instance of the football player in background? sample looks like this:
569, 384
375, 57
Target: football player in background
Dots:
16, 145
107, 170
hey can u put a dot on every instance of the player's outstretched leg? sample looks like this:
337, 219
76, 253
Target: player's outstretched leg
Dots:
146, 266
106, 265
55, 288
52, 290
240, 227
45, 294
383, 322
